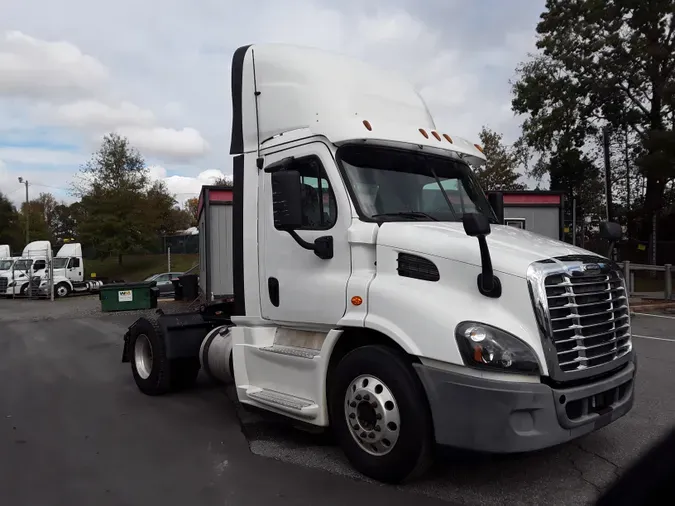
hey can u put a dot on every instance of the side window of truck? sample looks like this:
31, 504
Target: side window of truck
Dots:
319, 209
39, 265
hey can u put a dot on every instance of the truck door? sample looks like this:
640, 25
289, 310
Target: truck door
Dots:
74, 270
296, 285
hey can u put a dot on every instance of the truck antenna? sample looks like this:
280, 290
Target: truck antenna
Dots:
259, 161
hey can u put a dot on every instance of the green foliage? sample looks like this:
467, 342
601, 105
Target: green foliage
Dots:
500, 171
138, 267
121, 211
192, 208
10, 228
608, 62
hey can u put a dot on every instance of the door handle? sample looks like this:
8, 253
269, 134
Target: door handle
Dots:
273, 290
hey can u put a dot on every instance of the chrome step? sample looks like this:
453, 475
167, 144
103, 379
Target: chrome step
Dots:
291, 351
289, 403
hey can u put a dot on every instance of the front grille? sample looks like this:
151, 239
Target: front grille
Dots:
589, 318
599, 403
3, 285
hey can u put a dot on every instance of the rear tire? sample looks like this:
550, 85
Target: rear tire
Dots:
149, 365
380, 415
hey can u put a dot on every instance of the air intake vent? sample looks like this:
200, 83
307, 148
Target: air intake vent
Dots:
412, 266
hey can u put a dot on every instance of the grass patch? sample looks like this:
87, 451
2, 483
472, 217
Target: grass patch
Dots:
137, 267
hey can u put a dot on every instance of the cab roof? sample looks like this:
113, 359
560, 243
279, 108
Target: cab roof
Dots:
332, 95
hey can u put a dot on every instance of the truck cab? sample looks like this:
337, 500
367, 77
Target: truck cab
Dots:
376, 290
32, 265
68, 269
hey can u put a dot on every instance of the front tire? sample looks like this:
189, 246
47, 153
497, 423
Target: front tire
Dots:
61, 290
380, 415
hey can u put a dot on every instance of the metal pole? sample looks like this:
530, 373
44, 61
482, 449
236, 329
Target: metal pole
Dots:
632, 283
168, 257
669, 282
51, 277
608, 172
626, 271
574, 221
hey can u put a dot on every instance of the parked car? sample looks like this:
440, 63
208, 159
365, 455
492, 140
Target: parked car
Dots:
164, 282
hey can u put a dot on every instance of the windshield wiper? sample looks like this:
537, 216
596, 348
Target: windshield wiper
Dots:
407, 214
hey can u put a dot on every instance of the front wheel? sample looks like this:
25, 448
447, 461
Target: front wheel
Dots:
380, 415
61, 290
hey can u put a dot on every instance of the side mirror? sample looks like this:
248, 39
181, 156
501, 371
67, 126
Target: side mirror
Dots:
611, 231
476, 224
496, 201
287, 199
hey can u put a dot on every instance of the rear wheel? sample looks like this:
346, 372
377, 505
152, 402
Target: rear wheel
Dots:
380, 416
149, 365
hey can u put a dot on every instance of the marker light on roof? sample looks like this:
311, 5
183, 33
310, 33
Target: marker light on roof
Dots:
448, 138
366, 124
424, 132
478, 148
435, 134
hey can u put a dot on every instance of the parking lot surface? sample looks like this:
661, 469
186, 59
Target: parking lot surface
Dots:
75, 430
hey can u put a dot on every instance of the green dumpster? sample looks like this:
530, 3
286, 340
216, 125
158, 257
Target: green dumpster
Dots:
129, 296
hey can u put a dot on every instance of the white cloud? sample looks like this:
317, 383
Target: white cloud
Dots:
34, 68
185, 143
36, 156
185, 187
96, 114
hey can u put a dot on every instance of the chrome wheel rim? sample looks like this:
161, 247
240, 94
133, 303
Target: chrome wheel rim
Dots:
143, 356
372, 415
62, 291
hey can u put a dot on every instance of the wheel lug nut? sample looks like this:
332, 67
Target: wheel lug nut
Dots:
373, 404
371, 435
366, 397
355, 427
352, 404
379, 416
358, 397
363, 434
352, 415
378, 428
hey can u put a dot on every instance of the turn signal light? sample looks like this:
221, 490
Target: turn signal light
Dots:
478, 148
424, 133
448, 138
356, 300
436, 135
366, 124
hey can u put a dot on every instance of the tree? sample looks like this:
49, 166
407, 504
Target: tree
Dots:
500, 170
604, 63
192, 207
121, 211
223, 181
10, 228
38, 229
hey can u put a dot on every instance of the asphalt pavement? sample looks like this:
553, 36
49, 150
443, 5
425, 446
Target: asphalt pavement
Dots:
75, 430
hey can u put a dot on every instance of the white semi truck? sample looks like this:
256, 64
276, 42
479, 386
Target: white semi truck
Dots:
29, 268
68, 268
375, 290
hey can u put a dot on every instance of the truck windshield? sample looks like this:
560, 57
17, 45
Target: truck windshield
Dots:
392, 184
6, 265
60, 263
22, 265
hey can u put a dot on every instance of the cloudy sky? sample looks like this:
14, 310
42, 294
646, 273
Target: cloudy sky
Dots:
158, 73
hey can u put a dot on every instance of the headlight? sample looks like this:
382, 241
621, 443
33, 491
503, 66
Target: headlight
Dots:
486, 347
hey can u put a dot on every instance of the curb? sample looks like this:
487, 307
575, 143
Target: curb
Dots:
651, 307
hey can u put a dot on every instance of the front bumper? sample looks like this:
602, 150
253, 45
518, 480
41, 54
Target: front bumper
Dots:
508, 417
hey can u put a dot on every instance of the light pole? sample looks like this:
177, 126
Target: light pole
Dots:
25, 181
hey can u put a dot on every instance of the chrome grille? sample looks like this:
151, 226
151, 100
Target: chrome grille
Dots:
582, 311
589, 319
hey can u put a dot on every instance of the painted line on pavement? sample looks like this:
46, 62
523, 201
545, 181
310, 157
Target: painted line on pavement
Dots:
654, 338
656, 315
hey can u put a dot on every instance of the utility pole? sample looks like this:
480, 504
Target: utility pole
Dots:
608, 171
25, 181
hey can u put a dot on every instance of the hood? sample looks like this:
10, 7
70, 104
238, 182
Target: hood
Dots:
512, 250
